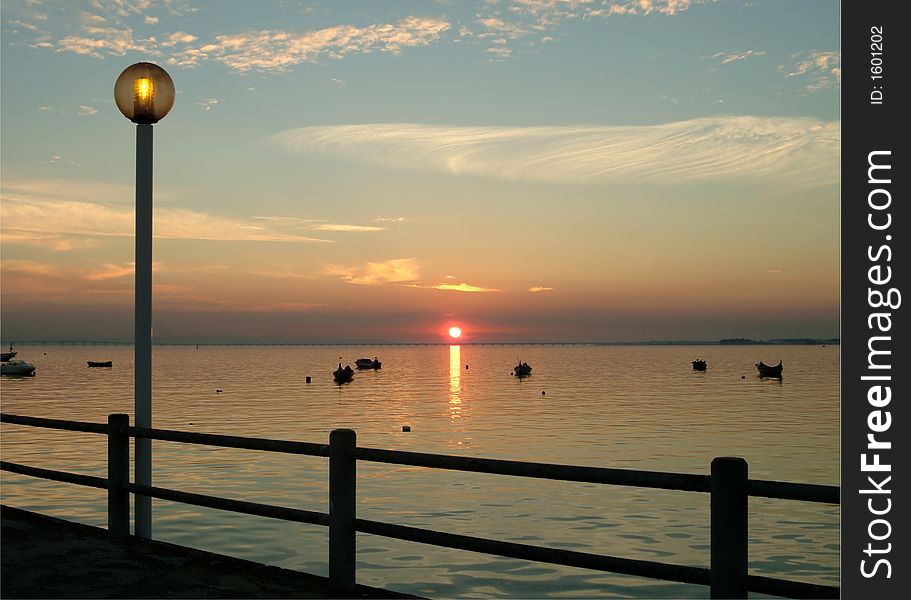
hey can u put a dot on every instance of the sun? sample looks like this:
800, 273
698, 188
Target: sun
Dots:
455, 332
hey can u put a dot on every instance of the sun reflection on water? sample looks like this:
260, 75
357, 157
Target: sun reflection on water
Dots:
455, 382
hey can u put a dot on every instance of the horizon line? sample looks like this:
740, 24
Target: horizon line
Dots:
721, 342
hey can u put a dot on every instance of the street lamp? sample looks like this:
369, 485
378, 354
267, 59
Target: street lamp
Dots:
144, 93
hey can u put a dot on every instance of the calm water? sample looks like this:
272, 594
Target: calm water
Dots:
628, 407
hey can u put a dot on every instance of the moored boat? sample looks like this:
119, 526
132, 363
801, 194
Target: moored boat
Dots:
100, 363
341, 375
699, 365
17, 367
523, 369
367, 363
8, 356
769, 370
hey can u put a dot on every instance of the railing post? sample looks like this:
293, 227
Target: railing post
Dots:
342, 501
730, 535
118, 476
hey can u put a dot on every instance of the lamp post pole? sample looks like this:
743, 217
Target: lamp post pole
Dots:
142, 371
144, 93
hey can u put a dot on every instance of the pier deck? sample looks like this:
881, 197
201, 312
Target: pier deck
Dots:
45, 557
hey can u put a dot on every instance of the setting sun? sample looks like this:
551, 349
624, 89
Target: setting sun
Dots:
455, 332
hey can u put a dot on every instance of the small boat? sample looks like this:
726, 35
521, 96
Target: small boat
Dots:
366, 363
17, 367
523, 369
769, 371
699, 365
100, 363
341, 375
8, 356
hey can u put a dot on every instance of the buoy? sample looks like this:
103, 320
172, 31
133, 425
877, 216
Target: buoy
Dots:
406, 427
743, 376
543, 392
218, 391
308, 379
466, 367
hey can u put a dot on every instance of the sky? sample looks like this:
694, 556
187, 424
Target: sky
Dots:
529, 170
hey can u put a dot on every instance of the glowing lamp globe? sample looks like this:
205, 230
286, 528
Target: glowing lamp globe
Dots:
144, 93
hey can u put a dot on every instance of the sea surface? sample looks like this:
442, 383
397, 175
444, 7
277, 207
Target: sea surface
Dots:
635, 407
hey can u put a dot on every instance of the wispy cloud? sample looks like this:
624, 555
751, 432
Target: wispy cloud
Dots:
537, 289
396, 270
179, 37
820, 69
529, 21
318, 225
800, 150
279, 50
729, 57
111, 271
45, 210
100, 41
85, 111
346, 228
208, 104
499, 52
462, 287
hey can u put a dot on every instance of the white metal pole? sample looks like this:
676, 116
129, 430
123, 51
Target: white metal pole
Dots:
143, 326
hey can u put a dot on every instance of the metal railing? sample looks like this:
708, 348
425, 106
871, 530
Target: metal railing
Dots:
727, 484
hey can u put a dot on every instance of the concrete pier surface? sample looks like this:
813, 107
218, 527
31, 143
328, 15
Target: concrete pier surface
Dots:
45, 557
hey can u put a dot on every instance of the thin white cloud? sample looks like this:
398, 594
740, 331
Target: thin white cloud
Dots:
279, 50
499, 52
98, 41
111, 271
24, 25
346, 228
729, 57
545, 18
85, 111
49, 241
317, 225
179, 37
396, 270
820, 69
151, 20
35, 210
31, 267
208, 103
462, 287
798, 150
537, 289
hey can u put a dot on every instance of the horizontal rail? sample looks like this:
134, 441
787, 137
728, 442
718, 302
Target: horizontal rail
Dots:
651, 479
808, 492
648, 479
86, 480
54, 423
790, 589
570, 558
231, 441
249, 508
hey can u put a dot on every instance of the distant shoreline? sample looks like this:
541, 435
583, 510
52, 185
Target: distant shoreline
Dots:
724, 342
